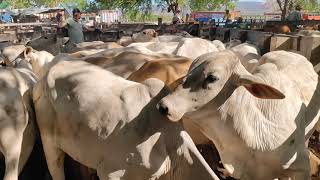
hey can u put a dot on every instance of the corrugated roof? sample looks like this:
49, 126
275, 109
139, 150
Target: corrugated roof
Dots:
33, 11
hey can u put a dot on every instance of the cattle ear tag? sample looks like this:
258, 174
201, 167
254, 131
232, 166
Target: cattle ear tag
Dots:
259, 89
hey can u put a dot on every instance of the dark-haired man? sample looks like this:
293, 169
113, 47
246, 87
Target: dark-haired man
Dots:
75, 27
227, 16
295, 15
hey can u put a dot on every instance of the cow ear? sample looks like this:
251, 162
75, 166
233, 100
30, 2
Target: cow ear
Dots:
155, 34
259, 89
27, 51
154, 86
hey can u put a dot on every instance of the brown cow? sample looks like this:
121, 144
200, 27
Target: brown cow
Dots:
171, 72
277, 29
167, 71
127, 62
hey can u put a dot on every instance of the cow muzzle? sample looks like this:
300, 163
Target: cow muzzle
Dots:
163, 109
166, 110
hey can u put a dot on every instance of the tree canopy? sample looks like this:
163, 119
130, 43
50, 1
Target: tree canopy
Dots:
38, 3
286, 6
201, 5
135, 7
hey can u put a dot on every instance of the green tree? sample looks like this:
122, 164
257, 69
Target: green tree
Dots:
37, 3
202, 5
132, 8
286, 6
309, 5
92, 7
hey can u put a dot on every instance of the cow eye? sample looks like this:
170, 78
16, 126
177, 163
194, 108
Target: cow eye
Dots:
211, 78
144, 32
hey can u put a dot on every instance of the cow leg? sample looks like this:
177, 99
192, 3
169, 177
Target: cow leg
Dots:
301, 175
55, 159
301, 168
11, 149
102, 175
87, 173
27, 145
117, 175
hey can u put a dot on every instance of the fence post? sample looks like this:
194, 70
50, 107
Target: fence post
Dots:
200, 28
187, 18
159, 21
211, 24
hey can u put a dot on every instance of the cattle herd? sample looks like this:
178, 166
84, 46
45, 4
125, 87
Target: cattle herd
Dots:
136, 109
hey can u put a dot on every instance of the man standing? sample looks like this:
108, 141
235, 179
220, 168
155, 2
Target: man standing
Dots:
295, 15
59, 18
75, 27
177, 18
227, 16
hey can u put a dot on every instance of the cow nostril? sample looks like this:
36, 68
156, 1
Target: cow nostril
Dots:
163, 109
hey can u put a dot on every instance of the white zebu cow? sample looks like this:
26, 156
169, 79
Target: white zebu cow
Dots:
111, 124
20, 55
37, 59
10, 54
17, 128
311, 33
194, 47
256, 136
158, 47
220, 46
249, 55
150, 35
187, 47
147, 35
232, 43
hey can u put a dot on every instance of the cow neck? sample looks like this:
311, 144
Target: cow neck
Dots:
149, 119
213, 106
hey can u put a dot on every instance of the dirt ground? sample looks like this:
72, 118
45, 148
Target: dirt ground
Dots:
211, 155
36, 168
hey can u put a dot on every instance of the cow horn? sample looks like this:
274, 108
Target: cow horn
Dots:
193, 150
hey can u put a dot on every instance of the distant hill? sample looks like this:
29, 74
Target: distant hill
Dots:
252, 7
249, 7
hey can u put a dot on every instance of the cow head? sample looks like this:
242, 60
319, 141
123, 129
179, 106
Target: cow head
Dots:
48, 39
49, 42
146, 35
212, 78
184, 34
11, 53
29, 54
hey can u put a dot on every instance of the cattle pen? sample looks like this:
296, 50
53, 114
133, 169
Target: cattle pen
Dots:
266, 41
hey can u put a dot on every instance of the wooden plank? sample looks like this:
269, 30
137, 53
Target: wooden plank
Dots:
310, 47
222, 34
261, 39
238, 34
317, 68
7, 37
304, 22
281, 42
22, 24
